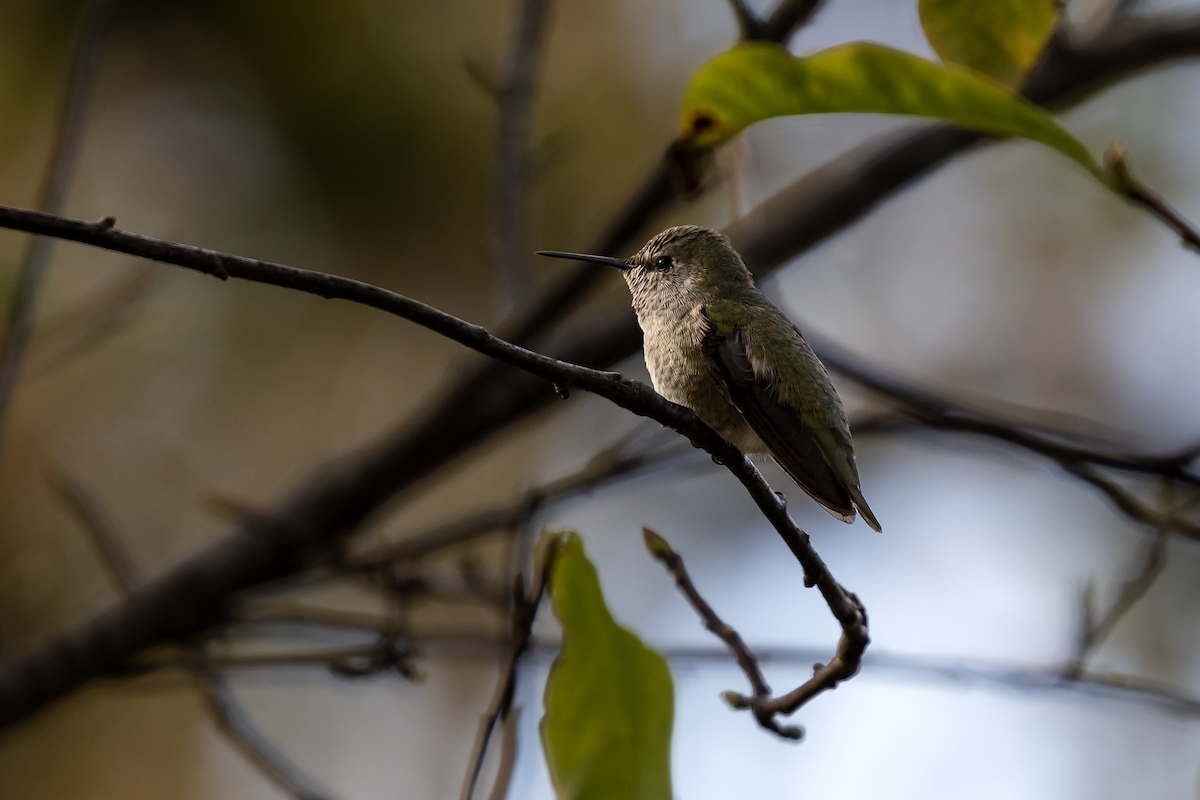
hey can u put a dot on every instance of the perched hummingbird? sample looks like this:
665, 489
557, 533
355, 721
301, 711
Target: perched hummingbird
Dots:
715, 344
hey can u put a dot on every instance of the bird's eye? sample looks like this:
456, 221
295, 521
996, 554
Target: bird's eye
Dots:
663, 263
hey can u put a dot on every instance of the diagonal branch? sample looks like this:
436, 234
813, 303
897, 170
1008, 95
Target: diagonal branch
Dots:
192, 590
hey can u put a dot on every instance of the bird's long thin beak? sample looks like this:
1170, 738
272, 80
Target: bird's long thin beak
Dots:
619, 263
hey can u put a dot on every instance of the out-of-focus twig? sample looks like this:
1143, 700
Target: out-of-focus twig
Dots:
449, 646
525, 608
230, 718
89, 323
613, 464
92, 517
508, 754
1149, 563
513, 155
64, 157
657, 191
925, 409
233, 722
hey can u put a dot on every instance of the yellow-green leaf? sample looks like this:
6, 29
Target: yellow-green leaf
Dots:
1000, 38
758, 81
609, 700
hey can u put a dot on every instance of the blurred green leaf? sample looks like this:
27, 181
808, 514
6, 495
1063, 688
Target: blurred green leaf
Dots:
1000, 38
609, 699
758, 81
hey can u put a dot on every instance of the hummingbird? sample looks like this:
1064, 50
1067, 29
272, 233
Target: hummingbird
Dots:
715, 344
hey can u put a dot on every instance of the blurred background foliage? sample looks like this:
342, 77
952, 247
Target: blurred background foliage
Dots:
358, 138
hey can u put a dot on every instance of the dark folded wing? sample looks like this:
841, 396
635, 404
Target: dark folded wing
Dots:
781, 428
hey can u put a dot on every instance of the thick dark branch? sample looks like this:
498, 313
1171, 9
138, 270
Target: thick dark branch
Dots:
273, 546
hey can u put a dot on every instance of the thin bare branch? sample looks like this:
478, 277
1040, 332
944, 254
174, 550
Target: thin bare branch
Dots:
92, 517
746, 659
233, 722
64, 157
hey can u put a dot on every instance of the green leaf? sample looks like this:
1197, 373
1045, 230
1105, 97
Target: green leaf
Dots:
758, 81
609, 700
1000, 38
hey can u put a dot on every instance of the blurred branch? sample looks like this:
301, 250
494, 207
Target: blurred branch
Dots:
787, 18
64, 157
337, 498
1092, 685
508, 755
525, 610
1129, 505
89, 323
513, 157
661, 550
1149, 563
608, 466
233, 722
657, 191
92, 517
230, 718
926, 410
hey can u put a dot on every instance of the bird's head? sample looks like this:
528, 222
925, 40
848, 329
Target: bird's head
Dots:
678, 269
